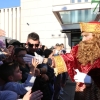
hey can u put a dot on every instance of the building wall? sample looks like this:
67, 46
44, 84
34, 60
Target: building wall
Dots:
41, 19
10, 21
37, 16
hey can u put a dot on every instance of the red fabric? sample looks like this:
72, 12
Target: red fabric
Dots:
72, 63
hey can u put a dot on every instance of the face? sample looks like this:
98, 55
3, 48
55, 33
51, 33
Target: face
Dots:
86, 36
58, 48
17, 76
33, 45
19, 57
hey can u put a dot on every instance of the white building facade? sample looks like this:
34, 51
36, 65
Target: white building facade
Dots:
56, 21
10, 21
49, 17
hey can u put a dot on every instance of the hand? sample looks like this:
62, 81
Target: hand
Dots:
82, 77
34, 62
6, 52
33, 96
2, 32
39, 58
33, 70
45, 60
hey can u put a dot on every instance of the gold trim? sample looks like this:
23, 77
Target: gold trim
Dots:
90, 27
60, 65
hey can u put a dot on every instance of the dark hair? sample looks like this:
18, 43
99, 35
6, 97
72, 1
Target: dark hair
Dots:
6, 70
47, 52
57, 44
33, 36
43, 46
17, 50
61, 44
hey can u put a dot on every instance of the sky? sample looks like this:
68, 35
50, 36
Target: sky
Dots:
9, 3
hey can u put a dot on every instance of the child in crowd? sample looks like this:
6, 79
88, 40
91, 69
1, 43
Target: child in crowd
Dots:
11, 74
19, 53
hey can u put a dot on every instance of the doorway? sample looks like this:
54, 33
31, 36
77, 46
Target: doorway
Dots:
75, 36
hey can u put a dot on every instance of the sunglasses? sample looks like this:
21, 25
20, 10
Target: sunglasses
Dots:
31, 45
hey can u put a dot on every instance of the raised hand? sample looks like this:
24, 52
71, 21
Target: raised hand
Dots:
39, 58
37, 95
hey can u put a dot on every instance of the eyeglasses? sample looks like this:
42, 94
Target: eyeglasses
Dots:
31, 45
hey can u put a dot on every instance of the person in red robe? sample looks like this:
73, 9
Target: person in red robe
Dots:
83, 63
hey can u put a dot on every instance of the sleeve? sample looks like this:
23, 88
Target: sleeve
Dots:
70, 64
95, 75
19, 88
8, 95
67, 61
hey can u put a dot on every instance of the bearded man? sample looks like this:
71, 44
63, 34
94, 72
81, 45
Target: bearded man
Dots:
83, 63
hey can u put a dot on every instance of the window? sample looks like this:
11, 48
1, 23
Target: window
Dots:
75, 38
79, 1
86, 0
76, 16
72, 1
79, 15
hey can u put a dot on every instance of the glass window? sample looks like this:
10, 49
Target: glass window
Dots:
75, 38
79, 1
66, 15
72, 13
86, 15
86, 0
76, 16
79, 15
72, 1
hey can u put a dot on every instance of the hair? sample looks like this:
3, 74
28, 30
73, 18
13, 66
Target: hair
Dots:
89, 51
6, 70
47, 52
17, 50
33, 36
57, 44
61, 44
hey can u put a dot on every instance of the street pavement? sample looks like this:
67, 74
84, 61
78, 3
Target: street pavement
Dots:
68, 91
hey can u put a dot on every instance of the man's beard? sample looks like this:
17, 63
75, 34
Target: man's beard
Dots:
88, 51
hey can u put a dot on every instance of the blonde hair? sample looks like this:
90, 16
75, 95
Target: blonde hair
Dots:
89, 51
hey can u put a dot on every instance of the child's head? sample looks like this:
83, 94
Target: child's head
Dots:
10, 72
48, 53
19, 54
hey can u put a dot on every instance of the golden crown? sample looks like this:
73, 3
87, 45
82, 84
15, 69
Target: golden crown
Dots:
93, 27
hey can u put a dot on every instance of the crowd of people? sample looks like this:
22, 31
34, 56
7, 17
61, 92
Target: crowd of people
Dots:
32, 71
25, 72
